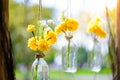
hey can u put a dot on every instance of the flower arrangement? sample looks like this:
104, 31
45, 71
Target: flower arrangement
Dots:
95, 27
67, 27
44, 39
95, 57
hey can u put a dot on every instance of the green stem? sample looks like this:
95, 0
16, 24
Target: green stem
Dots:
68, 53
35, 71
33, 34
43, 32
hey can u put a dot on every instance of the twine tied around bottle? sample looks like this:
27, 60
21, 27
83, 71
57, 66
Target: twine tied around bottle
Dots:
40, 55
69, 37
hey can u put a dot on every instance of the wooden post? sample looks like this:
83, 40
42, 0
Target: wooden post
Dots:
6, 59
117, 41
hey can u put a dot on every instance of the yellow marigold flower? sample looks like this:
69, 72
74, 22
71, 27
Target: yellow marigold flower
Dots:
51, 37
43, 45
61, 28
30, 28
100, 32
94, 27
72, 24
57, 30
32, 43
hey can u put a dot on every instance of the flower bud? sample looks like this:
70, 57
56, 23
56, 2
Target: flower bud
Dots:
48, 29
43, 23
50, 22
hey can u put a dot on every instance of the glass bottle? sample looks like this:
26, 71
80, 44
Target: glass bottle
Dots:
40, 69
69, 59
95, 58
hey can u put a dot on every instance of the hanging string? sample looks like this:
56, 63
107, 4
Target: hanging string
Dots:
40, 18
40, 10
69, 8
93, 10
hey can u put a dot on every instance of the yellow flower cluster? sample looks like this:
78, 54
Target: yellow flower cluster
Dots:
96, 28
72, 24
32, 43
43, 45
69, 24
37, 43
51, 37
31, 28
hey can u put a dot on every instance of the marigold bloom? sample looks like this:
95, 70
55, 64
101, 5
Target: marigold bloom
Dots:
57, 30
30, 28
32, 43
61, 28
96, 28
72, 24
51, 37
43, 45
100, 32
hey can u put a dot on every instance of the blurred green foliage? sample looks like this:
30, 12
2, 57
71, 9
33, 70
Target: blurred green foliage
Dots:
81, 56
60, 75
